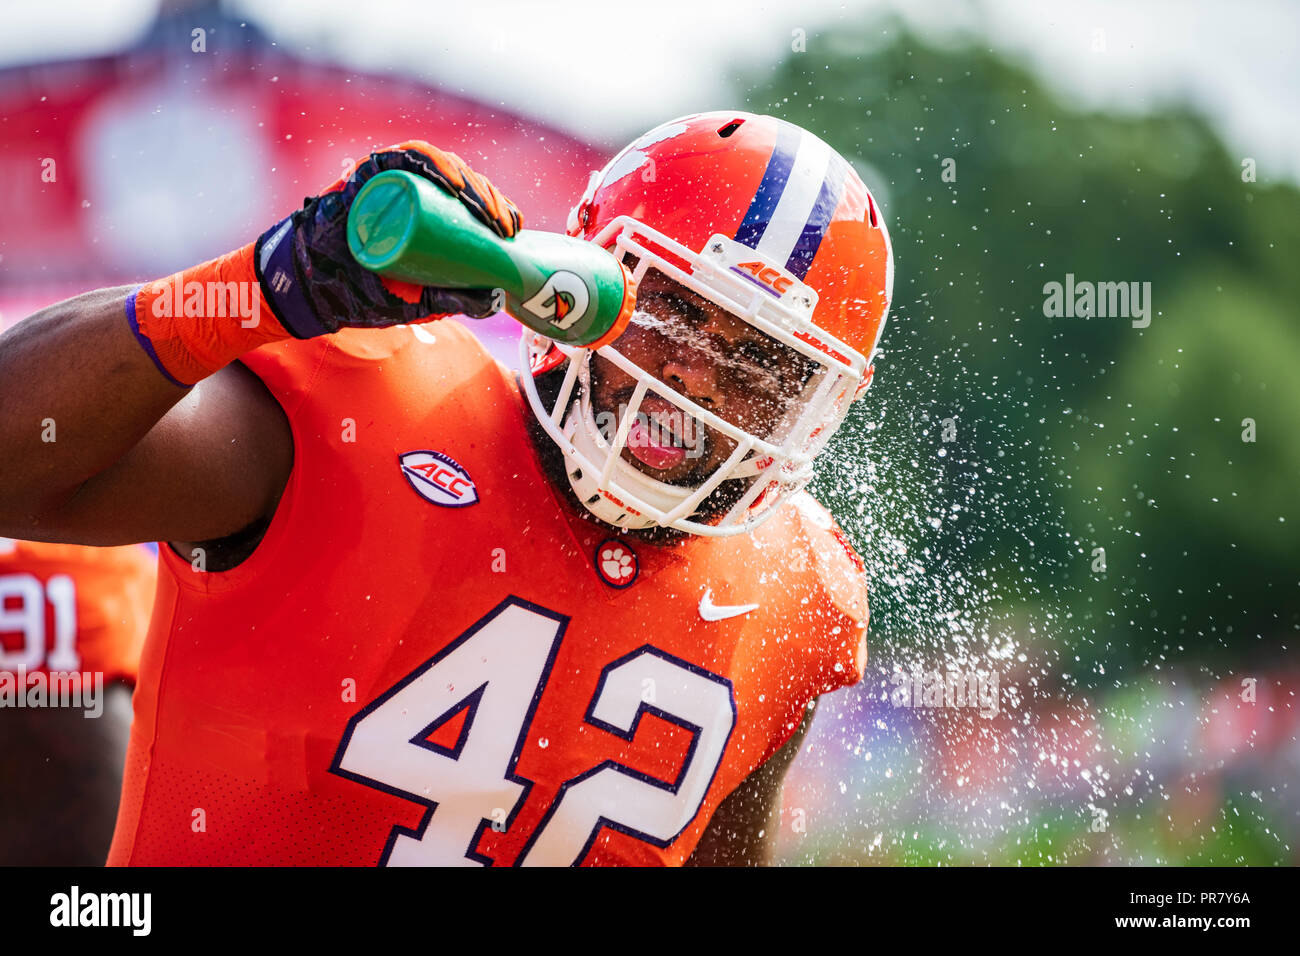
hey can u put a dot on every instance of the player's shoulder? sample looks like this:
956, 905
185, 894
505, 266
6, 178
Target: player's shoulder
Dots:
839, 567
436, 338
360, 346
344, 347
352, 363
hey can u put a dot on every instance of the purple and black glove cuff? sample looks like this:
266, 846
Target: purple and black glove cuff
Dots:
314, 285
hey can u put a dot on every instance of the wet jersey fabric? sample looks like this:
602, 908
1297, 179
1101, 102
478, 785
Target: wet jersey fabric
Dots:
431, 658
67, 607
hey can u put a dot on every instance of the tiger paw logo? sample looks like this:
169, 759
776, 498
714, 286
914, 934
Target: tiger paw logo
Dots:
562, 301
616, 563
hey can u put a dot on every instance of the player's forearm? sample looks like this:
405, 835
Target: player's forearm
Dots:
81, 383
77, 391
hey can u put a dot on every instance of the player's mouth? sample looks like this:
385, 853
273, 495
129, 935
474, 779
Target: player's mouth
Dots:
658, 448
658, 437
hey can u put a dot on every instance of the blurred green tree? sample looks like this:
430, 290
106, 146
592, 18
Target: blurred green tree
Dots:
1073, 433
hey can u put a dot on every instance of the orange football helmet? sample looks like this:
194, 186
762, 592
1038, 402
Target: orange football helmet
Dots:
768, 222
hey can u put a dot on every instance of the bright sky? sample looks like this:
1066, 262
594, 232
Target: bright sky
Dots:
610, 70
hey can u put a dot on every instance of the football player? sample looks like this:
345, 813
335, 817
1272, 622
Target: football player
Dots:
414, 608
72, 622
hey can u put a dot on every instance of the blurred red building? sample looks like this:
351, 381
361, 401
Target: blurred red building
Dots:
127, 167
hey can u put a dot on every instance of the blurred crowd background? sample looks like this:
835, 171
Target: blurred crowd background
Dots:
1147, 710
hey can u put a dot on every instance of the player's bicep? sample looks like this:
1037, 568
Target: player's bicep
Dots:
742, 832
214, 464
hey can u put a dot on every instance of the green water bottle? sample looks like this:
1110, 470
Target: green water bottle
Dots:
405, 227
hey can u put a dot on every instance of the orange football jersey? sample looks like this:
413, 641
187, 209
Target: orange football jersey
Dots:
431, 658
67, 607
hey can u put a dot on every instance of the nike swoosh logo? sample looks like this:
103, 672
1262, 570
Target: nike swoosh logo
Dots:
720, 612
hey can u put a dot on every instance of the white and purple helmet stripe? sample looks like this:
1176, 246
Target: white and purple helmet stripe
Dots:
794, 202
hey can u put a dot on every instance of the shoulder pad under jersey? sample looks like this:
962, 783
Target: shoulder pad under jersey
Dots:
839, 567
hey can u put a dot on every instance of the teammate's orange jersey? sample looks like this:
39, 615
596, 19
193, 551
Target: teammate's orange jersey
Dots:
432, 659
66, 607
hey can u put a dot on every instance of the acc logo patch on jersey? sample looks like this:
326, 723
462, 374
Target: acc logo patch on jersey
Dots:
439, 478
